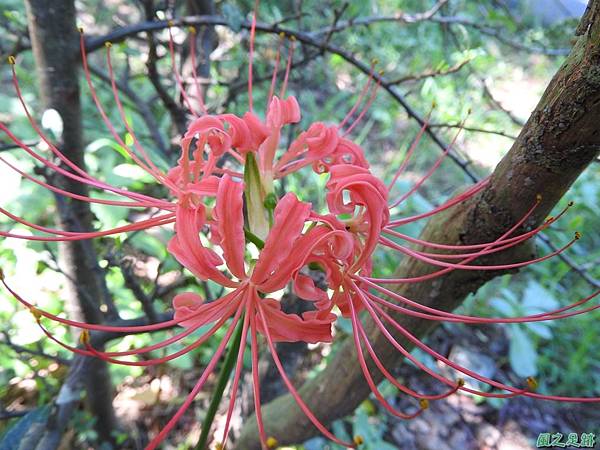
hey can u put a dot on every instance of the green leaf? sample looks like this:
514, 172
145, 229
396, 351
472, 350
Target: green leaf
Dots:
543, 330
133, 172
538, 299
522, 354
233, 15
502, 305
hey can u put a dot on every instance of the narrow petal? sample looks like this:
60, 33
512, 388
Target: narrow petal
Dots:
291, 327
290, 215
230, 222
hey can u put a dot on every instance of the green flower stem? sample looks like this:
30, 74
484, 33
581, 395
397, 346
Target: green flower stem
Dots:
226, 370
251, 237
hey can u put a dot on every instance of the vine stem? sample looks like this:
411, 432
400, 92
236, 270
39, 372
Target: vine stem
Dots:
224, 376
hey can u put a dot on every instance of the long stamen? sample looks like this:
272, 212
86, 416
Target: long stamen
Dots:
361, 95
91, 351
412, 240
490, 247
256, 381
109, 328
151, 201
105, 118
431, 171
178, 79
513, 391
475, 375
236, 376
410, 151
458, 199
288, 67
78, 236
85, 198
393, 380
367, 374
365, 109
275, 69
192, 395
440, 315
36, 127
499, 240
251, 56
493, 249
38, 130
151, 167
169, 341
449, 265
303, 406
370, 309
235, 301
197, 83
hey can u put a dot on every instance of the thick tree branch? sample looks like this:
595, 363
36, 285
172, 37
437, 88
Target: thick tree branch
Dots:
557, 143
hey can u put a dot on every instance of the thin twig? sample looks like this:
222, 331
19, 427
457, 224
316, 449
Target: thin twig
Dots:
500, 37
21, 349
583, 273
396, 18
498, 105
6, 415
474, 129
450, 20
7, 147
432, 73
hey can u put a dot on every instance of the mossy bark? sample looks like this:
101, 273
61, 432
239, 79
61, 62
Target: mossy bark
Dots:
559, 140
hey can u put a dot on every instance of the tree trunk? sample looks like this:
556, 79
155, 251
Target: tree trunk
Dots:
559, 140
54, 40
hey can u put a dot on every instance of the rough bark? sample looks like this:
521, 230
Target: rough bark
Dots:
54, 41
559, 140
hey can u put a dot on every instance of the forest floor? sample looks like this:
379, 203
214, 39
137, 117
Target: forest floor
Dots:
462, 422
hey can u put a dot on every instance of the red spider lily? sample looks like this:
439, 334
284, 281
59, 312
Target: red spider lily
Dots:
290, 235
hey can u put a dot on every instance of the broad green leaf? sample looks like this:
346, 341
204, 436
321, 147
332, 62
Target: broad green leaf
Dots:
522, 354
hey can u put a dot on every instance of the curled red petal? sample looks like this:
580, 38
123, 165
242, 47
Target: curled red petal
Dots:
304, 287
283, 112
187, 248
291, 327
321, 140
